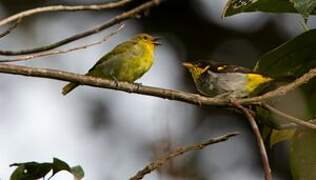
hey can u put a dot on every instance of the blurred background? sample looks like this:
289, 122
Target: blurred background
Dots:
113, 134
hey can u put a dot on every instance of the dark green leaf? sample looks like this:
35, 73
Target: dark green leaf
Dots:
35, 170
59, 165
275, 6
303, 155
30, 170
293, 58
304, 7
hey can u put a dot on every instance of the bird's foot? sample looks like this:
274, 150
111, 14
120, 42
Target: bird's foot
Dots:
227, 96
138, 85
116, 82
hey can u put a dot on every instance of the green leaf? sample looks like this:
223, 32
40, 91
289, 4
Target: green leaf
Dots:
59, 165
34, 170
305, 7
293, 58
278, 136
78, 172
233, 7
303, 155
30, 170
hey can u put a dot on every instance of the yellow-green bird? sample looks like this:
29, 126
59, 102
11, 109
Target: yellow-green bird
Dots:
127, 62
226, 80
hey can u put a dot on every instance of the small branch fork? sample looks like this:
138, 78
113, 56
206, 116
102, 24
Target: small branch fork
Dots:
177, 152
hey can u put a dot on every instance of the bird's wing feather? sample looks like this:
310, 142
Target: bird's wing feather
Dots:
120, 49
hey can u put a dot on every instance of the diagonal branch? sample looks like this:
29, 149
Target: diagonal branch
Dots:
300, 122
30, 12
8, 31
262, 149
118, 19
177, 152
49, 53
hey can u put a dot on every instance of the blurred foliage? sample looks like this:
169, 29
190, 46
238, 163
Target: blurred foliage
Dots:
302, 155
294, 58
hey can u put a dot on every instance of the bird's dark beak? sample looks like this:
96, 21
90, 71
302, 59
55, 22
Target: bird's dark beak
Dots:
156, 41
187, 65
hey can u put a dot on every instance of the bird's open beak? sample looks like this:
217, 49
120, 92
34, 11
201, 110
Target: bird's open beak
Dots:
156, 41
187, 65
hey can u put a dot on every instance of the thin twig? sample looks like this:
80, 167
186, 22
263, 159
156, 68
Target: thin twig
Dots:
55, 8
260, 142
49, 53
290, 118
118, 19
9, 30
146, 90
177, 152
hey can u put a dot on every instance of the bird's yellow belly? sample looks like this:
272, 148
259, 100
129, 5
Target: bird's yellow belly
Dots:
133, 69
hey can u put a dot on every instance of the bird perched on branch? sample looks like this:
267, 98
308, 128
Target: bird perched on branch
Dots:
225, 80
127, 62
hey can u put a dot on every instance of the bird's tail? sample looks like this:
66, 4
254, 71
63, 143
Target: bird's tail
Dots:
69, 87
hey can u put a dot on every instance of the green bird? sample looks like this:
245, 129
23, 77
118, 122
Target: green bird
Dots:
127, 62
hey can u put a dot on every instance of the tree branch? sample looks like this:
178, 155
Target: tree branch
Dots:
300, 122
154, 91
177, 152
49, 53
260, 143
110, 84
147, 90
118, 19
8, 31
55, 8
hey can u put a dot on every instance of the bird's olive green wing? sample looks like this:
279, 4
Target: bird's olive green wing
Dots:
117, 51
